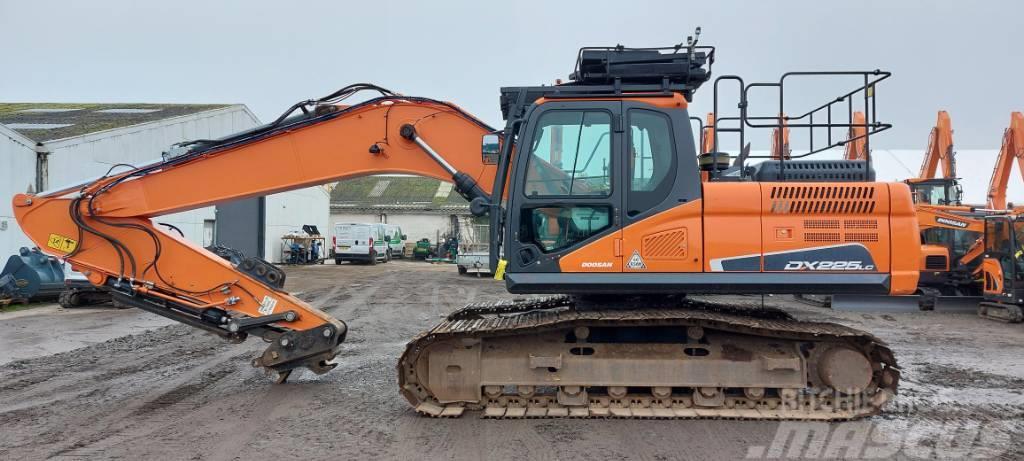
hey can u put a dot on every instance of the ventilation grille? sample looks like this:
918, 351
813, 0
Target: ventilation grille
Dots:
846, 230
821, 224
935, 262
665, 245
823, 200
860, 224
861, 236
821, 236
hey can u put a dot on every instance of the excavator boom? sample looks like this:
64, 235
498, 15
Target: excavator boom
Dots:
780, 140
105, 231
856, 144
940, 150
1012, 149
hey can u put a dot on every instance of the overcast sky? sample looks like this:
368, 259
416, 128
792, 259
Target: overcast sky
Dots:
954, 55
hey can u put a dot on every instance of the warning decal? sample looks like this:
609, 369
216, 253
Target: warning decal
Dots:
636, 262
267, 306
61, 243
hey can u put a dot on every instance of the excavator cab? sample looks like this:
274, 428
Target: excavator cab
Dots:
936, 191
1003, 268
607, 193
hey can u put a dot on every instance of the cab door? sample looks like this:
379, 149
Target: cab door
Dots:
566, 200
998, 266
661, 190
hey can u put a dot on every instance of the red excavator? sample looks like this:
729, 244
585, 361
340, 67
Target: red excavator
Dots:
595, 199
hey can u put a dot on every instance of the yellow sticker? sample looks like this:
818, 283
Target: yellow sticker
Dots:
499, 274
61, 243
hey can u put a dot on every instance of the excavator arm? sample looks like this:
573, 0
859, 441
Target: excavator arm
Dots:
1011, 149
856, 140
780, 140
104, 228
940, 150
708, 137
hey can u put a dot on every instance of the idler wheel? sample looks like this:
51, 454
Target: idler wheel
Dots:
845, 370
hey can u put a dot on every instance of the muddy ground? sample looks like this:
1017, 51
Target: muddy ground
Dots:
121, 384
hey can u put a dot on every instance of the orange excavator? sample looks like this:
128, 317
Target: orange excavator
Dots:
971, 250
1012, 149
1003, 265
595, 200
951, 244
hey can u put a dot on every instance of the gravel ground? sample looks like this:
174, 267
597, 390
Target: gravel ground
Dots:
169, 392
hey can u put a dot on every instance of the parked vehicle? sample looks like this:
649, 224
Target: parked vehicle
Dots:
474, 250
474, 257
395, 241
359, 242
423, 249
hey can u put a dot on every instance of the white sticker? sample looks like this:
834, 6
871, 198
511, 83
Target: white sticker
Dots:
267, 306
636, 262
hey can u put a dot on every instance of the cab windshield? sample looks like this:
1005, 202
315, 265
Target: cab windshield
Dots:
1018, 237
932, 194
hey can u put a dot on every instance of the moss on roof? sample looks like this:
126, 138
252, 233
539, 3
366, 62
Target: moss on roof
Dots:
405, 191
86, 118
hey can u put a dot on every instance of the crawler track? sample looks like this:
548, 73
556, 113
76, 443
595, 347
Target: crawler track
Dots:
556, 357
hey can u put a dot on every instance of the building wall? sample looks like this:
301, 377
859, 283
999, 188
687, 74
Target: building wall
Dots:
289, 211
92, 155
17, 175
416, 226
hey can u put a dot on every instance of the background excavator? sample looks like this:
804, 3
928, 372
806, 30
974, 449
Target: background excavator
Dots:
595, 196
970, 250
1003, 264
1012, 148
951, 232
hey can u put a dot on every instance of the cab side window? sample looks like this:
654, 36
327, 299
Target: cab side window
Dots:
652, 160
570, 155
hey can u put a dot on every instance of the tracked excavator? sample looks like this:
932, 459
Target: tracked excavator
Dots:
969, 249
951, 232
596, 203
1003, 264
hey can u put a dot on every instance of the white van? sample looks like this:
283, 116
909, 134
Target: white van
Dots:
396, 240
359, 242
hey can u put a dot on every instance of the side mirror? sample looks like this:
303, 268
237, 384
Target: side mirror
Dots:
490, 148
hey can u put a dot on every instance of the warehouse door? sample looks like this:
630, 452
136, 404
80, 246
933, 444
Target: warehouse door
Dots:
240, 225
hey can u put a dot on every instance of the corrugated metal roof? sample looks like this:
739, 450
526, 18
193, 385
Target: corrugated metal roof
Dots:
83, 119
396, 192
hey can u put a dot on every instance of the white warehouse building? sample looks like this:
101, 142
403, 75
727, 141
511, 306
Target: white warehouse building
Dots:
44, 146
